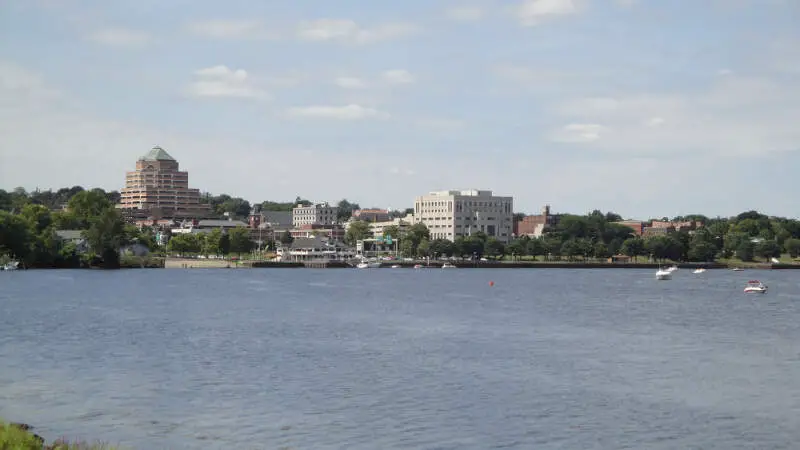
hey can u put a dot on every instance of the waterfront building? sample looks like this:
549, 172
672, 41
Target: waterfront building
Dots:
372, 215
158, 188
315, 214
451, 214
536, 225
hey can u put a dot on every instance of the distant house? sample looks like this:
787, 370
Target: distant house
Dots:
315, 248
74, 237
135, 249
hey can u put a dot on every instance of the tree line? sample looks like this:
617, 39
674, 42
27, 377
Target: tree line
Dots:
747, 236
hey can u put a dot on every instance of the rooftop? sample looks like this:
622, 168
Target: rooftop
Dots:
157, 154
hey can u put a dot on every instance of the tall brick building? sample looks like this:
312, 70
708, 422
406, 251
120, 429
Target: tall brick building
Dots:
158, 188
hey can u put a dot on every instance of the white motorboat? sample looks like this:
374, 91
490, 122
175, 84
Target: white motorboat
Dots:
672, 268
755, 287
418, 266
737, 269
365, 264
699, 270
11, 265
448, 266
664, 274
395, 266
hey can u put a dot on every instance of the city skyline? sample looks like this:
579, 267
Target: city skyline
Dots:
644, 109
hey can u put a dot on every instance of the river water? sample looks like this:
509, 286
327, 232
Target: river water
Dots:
417, 359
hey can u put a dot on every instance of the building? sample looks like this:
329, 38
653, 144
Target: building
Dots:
316, 214
636, 225
372, 215
205, 226
331, 232
157, 188
454, 213
311, 249
536, 225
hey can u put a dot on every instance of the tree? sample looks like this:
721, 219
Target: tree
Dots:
86, 205
768, 249
536, 247
601, 251
792, 247
286, 238
212, 242
393, 231
745, 250
664, 247
15, 235
423, 248
240, 240
518, 247
105, 235
494, 248
441, 247
358, 230
345, 210
633, 247
185, 243
700, 250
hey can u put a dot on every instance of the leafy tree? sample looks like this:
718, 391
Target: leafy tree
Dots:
745, 250
601, 251
105, 235
633, 247
345, 210
518, 247
15, 235
212, 243
38, 217
536, 247
240, 240
357, 231
286, 238
393, 231
441, 247
185, 243
87, 205
792, 247
6, 201
768, 249
664, 247
494, 248
423, 248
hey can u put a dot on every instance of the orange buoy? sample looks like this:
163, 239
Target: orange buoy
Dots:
491, 283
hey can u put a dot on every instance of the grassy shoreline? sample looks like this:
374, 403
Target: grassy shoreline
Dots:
18, 436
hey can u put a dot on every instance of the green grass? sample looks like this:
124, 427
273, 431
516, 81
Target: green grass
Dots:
15, 438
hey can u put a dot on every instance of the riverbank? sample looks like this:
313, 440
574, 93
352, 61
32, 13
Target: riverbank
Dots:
18, 436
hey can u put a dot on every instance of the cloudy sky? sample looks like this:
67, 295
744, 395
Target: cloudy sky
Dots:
643, 107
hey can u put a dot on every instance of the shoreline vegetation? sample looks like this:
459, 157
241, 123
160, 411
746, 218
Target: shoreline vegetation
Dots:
18, 436
78, 228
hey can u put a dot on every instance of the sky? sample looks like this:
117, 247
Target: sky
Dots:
645, 108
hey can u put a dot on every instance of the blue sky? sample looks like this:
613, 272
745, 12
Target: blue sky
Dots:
645, 108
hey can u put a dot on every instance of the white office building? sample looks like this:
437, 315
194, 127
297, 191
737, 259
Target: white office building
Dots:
316, 214
450, 214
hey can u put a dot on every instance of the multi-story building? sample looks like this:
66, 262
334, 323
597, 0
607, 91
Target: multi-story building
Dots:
450, 214
636, 225
316, 214
372, 215
158, 188
536, 225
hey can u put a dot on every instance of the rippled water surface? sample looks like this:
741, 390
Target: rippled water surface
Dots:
382, 359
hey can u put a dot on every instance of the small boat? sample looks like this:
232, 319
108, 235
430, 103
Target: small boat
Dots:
672, 268
755, 287
395, 266
418, 266
448, 266
364, 264
664, 274
11, 265
699, 270
737, 269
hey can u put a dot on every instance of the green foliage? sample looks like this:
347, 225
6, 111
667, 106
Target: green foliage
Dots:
240, 241
345, 210
15, 437
357, 231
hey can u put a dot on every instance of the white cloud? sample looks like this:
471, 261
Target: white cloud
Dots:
231, 29
350, 83
398, 76
579, 133
220, 82
534, 12
120, 37
735, 116
348, 31
465, 13
347, 112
